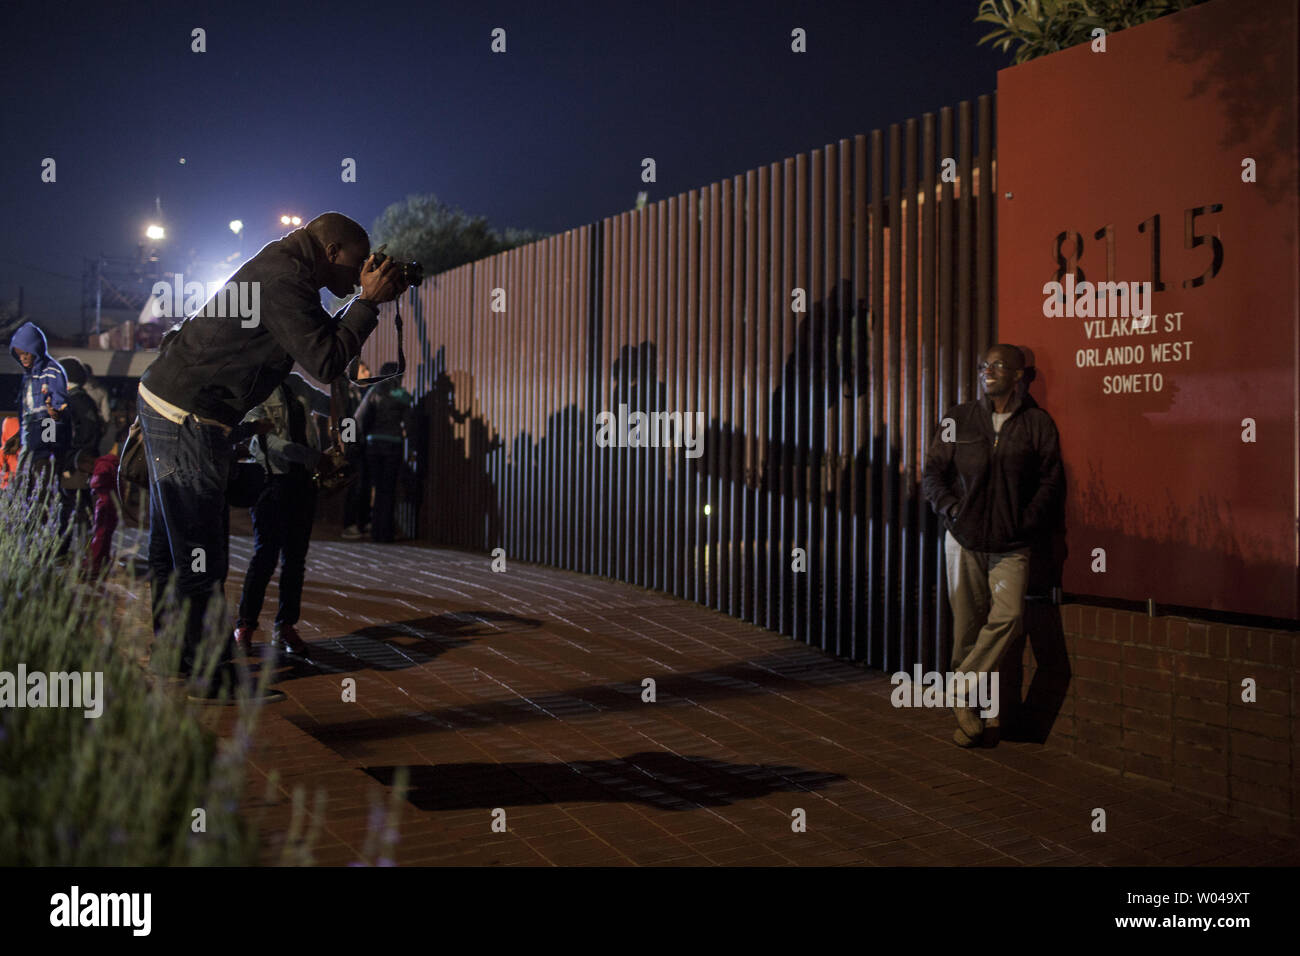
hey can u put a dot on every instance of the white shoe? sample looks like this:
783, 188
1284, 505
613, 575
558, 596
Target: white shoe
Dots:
351, 532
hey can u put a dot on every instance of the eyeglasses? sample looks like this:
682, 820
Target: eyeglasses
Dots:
998, 366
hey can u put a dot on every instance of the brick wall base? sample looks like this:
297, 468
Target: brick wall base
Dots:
1161, 698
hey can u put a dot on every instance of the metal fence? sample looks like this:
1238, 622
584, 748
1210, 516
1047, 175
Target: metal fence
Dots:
802, 512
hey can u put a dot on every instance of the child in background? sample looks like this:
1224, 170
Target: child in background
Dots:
103, 482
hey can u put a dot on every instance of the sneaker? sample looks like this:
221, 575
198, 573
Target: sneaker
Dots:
351, 532
285, 637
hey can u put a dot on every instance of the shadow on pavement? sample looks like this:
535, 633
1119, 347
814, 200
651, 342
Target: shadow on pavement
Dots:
665, 781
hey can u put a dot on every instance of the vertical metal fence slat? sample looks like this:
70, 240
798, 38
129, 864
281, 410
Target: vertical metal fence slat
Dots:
714, 414
843, 396
825, 419
678, 321
605, 558
945, 320
696, 344
908, 522
925, 415
803, 392
965, 290
860, 567
879, 440
789, 408
750, 398
661, 533
893, 413
722, 510
764, 390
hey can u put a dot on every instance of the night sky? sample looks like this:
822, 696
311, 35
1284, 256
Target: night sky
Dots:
548, 136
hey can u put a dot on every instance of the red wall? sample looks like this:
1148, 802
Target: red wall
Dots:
1159, 124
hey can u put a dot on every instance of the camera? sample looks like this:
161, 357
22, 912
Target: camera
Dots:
412, 273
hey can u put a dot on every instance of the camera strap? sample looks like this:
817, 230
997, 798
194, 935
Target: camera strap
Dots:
401, 354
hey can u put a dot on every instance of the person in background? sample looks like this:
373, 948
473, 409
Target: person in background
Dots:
356, 506
99, 395
283, 514
385, 420
78, 460
42, 401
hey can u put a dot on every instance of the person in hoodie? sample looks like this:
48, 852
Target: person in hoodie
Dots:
384, 418
993, 474
210, 371
43, 434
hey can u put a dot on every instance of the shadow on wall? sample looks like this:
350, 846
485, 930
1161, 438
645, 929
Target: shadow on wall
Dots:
825, 374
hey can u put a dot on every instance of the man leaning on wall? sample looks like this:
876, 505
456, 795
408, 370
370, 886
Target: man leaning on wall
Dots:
993, 475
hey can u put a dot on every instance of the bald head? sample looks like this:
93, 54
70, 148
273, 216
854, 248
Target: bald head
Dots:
343, 248
334, 227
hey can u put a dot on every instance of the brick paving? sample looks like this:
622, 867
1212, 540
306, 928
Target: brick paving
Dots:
523, 691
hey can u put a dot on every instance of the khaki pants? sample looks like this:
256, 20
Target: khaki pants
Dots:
987, 595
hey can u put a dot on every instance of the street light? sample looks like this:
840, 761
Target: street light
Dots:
291, 220
154, 232
236, 226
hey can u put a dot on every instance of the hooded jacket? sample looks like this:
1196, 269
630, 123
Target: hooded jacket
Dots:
44, 379
103, 480
996, 492
216, 368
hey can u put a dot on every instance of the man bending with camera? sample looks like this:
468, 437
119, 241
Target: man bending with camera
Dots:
212, 372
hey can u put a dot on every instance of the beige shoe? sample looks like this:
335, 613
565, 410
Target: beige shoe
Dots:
961, 740
968, 722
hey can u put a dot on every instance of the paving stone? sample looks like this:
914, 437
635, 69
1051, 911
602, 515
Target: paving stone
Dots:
522, 692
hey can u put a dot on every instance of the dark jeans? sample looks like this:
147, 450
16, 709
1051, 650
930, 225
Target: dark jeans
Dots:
37, 464
384, 460
356, 506
189, 521
282, 521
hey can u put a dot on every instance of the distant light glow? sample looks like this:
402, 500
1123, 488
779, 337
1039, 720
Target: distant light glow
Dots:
296, 221
708, 510
155, 232
284, 220
236, 226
